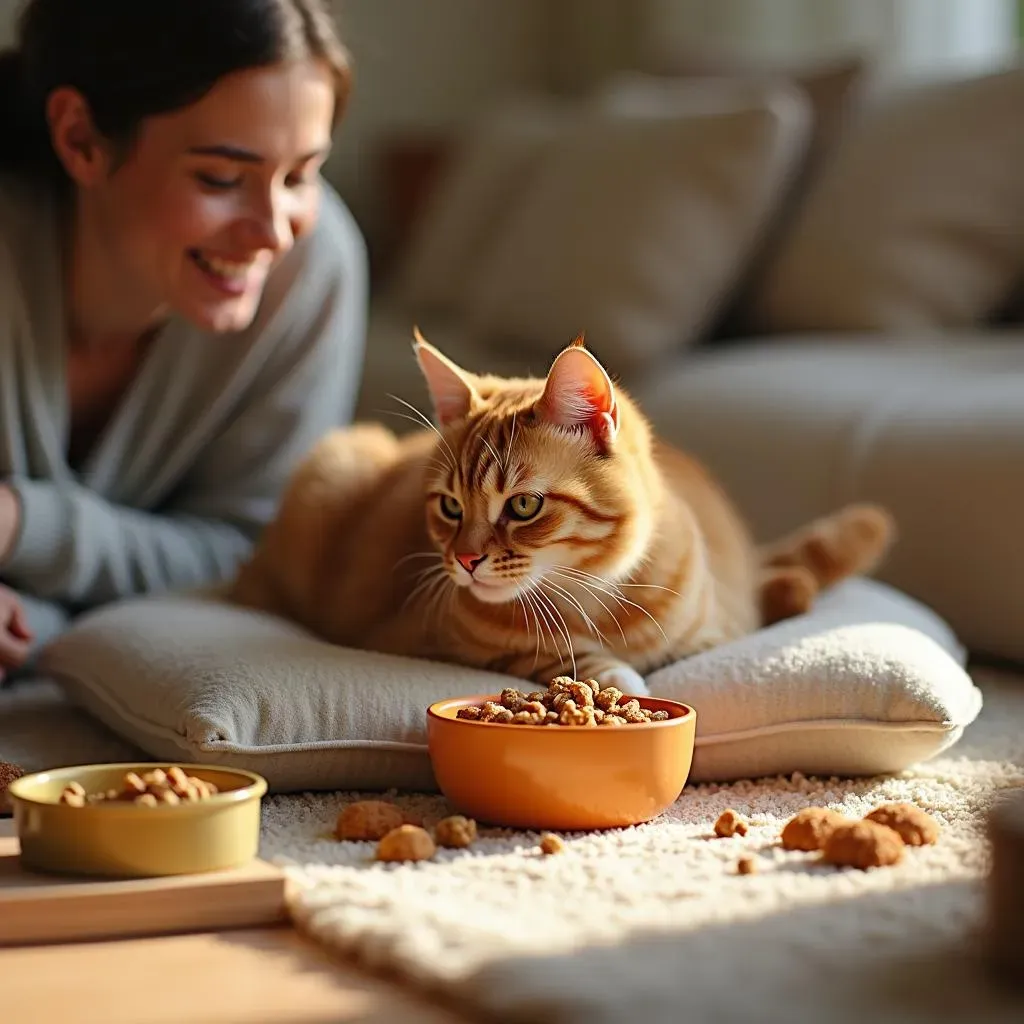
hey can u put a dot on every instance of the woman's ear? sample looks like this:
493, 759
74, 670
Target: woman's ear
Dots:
81, 149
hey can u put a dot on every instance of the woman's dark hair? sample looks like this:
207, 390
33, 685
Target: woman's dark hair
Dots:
133, 59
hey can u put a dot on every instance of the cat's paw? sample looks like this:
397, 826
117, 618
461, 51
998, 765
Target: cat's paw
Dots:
627, 679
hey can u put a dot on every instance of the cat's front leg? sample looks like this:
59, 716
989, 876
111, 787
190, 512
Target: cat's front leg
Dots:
609, 671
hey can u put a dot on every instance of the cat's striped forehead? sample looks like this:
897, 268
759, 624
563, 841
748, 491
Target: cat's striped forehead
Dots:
489, 448
500, 446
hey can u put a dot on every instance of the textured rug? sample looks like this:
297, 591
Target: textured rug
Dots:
654, 921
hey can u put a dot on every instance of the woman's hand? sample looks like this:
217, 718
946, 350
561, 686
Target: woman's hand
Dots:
15, 635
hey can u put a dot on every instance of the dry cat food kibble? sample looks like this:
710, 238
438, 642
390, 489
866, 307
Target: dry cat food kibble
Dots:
150, 789
566, 702
8, 773
405, 843
863, 844
400, 836
368, 819
746, 866
809, 829
550, 843
916, 827
456, 832
730, 824
876, 841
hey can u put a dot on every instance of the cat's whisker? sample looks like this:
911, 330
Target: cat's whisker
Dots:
562, 628
542, 619
434, 595
429, 570
417, 554
650, 586
625, 601
536, 647
588, 621
433, 575
508, 447
557, 570
447, 465
451, 593
425, 420
529, 630
490, 448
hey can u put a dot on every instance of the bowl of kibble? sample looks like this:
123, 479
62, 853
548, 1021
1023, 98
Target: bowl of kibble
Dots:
137, 820
573, 757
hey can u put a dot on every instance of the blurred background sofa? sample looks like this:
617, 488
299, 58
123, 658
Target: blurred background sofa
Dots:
806, 263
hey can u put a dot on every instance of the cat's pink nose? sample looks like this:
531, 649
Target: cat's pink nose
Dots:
469, 562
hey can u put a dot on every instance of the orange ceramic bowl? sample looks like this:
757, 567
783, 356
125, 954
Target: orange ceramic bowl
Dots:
567, 778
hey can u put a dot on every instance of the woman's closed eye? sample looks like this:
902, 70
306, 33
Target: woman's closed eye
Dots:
224, 183
216, 182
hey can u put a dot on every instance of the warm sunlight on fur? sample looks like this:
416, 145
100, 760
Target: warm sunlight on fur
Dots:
538, 529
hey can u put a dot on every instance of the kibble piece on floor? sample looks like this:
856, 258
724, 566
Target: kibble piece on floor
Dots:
916, 827
406, 843
367, 819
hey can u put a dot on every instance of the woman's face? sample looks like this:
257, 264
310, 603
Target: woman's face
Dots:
208, 198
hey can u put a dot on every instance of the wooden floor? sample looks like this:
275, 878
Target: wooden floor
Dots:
252, 976
262, 976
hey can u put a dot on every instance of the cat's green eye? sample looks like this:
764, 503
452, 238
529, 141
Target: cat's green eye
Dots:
450, 507
524, 506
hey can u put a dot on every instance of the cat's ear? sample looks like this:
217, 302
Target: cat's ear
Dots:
579, 393
451, 389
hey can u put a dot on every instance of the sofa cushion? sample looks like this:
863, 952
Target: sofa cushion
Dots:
796, 427
492, 161
638, 223
916, 220
832, 87
869, 682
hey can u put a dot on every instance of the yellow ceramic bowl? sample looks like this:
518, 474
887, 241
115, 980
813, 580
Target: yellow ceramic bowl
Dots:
126, 840
567, 778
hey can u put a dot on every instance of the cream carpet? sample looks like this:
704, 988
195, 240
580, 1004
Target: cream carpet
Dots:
653, 923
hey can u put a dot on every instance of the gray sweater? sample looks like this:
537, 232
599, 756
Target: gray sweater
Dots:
194, 459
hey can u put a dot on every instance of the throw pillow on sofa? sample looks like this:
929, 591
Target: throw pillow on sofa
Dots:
833, 88
637, 224
916, 220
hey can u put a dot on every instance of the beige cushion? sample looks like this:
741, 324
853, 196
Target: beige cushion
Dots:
489, 170
833, 87
870, 682
636, 225
795, 428
915, 221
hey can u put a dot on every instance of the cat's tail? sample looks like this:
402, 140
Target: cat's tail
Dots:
794, 569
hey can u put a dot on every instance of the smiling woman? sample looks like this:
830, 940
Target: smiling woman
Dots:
182, 296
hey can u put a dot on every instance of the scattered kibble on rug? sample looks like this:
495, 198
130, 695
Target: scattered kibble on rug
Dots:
730, 824
746, 866
550, 843
877, 840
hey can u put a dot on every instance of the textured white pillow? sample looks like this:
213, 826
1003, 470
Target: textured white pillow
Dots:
869, 682
636, 225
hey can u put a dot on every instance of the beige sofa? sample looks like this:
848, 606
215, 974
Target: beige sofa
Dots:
806, 282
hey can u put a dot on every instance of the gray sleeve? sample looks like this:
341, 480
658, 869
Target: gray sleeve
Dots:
77, 548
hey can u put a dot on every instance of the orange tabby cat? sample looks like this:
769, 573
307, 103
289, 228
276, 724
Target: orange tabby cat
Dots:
540, 530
